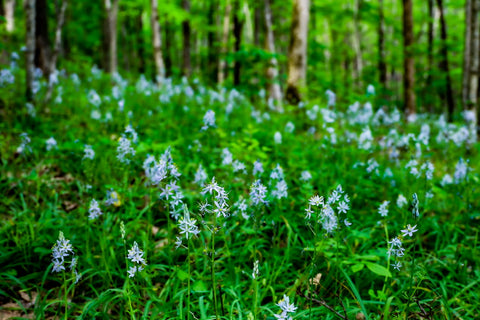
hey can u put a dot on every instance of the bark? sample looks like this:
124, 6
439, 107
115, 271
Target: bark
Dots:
168, 48
473, 74
237, 34
224, 45
258, 25
111, 7
56, 47
273, 87
444, 65
140, 42
358, 65
9, 7
408, 62
467, 52
187, 66
212, 50
30, 48
382, 66
297, 53
157, 43
430, 38
42, 41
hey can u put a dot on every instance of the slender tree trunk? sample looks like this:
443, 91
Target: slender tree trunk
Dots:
42, 41
237, 34
297, 53
168, 48
408, 62
212, 50
187, 66
10, 15
157, 43
430, 31
273, 87
382, 66
56, 47
444, 63
258, 25
473, 73
358, 65
30, 48
467, 52
224, 45
111, 7
140, 42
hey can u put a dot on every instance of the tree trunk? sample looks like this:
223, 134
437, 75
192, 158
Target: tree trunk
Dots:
237, 34
273, 87
42, 41
9, 7
297, 52
444, 66
473, 73
358, 65
186, 67
408, 62
258, 25
140, 42
382, 66
157, 43
212, 50
430, 31
111, 7
467, 52
168, 48
30, 48
224, 45
56, 47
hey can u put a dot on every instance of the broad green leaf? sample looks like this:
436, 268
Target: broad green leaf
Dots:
378, 269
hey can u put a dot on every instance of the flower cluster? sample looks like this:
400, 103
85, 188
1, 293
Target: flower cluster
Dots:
209, 120
258, 193
60, 251
89, 153
135, 255
286, 308
187, 225
221, 207
124, 149
94, 210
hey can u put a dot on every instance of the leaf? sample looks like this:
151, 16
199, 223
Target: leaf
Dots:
357, 267
378, 269
182, 275
199, 286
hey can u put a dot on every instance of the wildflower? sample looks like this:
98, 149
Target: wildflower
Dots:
178, 242
239, 166
257, 168
89, 153
124, 149
280, 190
348, 224
331, 97
308, 212
132, 271
447, 179
227, 157
25, 145
209, 120
306, 176
258, 192
51, 144
397, 266
370, 90
316, 201
135, 255
31, 110
200, 176
255, 272
343, 207
94, 210
113, 198
277, 138
60, 251
187, 226
428, 167
334, 197
401, 201
289, 127
396, 248
133, 133
460, 171
383, 209
409, 231
285, 305
415, 212
277, 173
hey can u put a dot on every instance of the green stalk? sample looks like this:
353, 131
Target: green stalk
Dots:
213, 265
65, 301
132, 313
388, 259
189, 280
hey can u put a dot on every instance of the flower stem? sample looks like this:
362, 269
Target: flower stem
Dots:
213, 265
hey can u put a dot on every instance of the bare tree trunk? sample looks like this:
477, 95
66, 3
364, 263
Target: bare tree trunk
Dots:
297, 53
212, 50
224, 45
111, 7
358, 65
237, 34
42, 41
30, 48
428, 86
408, 62
168, 47
444, 66
187, 66
473, 74
10, 15
157, 43
382, 66
274, 91
140, 42
56, 47
467, 52
258, 25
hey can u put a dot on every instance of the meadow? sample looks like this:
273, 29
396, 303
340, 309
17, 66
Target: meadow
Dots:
121, 199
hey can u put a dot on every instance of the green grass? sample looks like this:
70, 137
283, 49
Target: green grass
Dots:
45, 192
